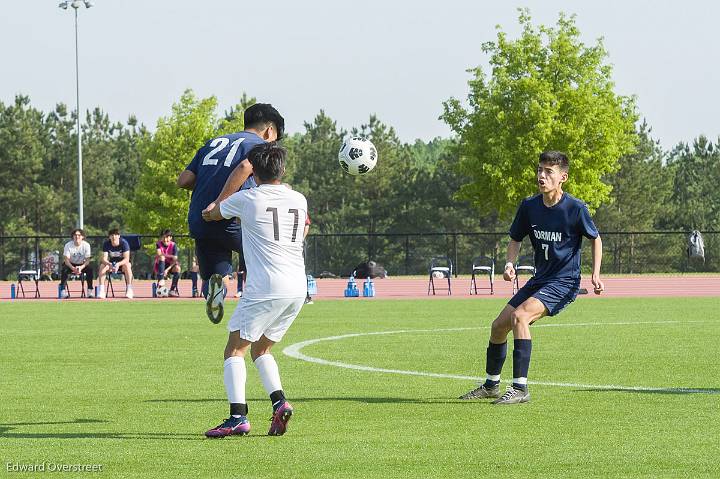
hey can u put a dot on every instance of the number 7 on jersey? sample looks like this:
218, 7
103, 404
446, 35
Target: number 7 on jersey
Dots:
276, 223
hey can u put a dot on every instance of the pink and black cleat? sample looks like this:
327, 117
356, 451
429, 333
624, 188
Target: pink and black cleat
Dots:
280, 418
230, 427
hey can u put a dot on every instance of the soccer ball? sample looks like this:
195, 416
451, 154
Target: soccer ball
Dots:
357, 155
162, 292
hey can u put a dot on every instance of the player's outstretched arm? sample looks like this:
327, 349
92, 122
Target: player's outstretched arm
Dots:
598, 285
512, 254
236, 179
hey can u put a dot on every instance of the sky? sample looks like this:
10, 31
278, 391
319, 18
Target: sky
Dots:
396, 59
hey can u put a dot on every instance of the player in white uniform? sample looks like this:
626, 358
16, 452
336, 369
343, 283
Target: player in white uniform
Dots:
272, 217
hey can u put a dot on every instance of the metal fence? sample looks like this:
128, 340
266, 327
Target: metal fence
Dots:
401, 254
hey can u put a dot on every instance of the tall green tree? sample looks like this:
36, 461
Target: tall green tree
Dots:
158, 203
642, 175
696, 196
546, 91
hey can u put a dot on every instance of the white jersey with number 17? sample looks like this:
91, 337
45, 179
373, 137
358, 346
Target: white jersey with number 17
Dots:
272, 219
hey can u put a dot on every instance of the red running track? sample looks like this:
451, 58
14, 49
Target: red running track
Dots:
415, 288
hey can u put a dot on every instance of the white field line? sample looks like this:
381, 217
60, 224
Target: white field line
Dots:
294, 351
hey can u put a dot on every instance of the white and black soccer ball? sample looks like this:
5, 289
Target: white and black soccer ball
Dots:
162, 292
357, 155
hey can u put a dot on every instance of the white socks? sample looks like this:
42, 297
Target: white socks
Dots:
269, 373
234, 375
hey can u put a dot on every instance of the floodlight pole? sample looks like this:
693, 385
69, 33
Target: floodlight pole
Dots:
81, 219
76, 4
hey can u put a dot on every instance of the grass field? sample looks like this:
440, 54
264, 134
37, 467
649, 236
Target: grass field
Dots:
133, 385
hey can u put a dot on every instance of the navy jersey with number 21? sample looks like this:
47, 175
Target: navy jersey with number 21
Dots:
212, 166
556, 235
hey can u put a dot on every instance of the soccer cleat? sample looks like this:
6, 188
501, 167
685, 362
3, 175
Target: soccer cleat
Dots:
232, 426
64, 293
238, 294
309, 300
174, 293
90, 293
215, 302
280, 418
195, 293
513, 396
482, 393
101, 292
129, 294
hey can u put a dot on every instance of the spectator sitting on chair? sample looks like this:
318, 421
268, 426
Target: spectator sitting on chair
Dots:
166, 261
115, 258
76, 260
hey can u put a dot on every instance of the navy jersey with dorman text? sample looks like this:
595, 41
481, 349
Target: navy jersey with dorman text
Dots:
212, 166
556, 235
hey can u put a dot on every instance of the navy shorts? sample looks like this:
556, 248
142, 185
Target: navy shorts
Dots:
555, 295
214, 255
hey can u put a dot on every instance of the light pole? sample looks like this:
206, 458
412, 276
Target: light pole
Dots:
76, 4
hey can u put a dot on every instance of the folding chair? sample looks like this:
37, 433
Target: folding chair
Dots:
29, 273
524, 264
482, 265
443, 266
76, 277
108, 281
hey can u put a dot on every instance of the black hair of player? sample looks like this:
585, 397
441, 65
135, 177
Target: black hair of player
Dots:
268, 161
166, 232
78, 230
113, 231
259, 114
555, 158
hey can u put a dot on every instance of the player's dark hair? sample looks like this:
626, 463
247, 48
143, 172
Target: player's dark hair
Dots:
114, 231
165, 233
259, 114
555, 158
77, 230
268, 161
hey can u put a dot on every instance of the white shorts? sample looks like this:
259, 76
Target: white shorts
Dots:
270, 317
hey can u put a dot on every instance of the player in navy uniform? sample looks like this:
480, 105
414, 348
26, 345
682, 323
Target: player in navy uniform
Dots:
555, 222
219, 169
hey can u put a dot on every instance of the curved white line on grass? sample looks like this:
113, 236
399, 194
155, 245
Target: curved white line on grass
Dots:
294, 352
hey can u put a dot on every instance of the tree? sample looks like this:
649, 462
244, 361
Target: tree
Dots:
641, 175
547, 91
695, 193
158, 202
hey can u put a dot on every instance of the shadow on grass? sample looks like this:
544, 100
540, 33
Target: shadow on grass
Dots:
654, 390
362, 400
7, 431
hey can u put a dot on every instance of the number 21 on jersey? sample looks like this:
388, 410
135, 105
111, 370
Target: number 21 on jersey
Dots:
219, 144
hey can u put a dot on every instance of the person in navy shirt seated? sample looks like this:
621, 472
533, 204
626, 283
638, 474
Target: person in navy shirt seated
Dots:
115, 257
556, 222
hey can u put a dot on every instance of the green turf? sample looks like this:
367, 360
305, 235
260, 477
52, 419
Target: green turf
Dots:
133, 385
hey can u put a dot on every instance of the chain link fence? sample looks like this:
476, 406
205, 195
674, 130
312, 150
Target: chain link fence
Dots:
400, 254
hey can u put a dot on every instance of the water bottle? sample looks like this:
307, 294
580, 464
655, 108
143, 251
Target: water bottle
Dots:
368, 288
352, 290
154, 290
60, 288
311, 285
12, 291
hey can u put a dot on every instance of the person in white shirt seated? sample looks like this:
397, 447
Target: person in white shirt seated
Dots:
76, 261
